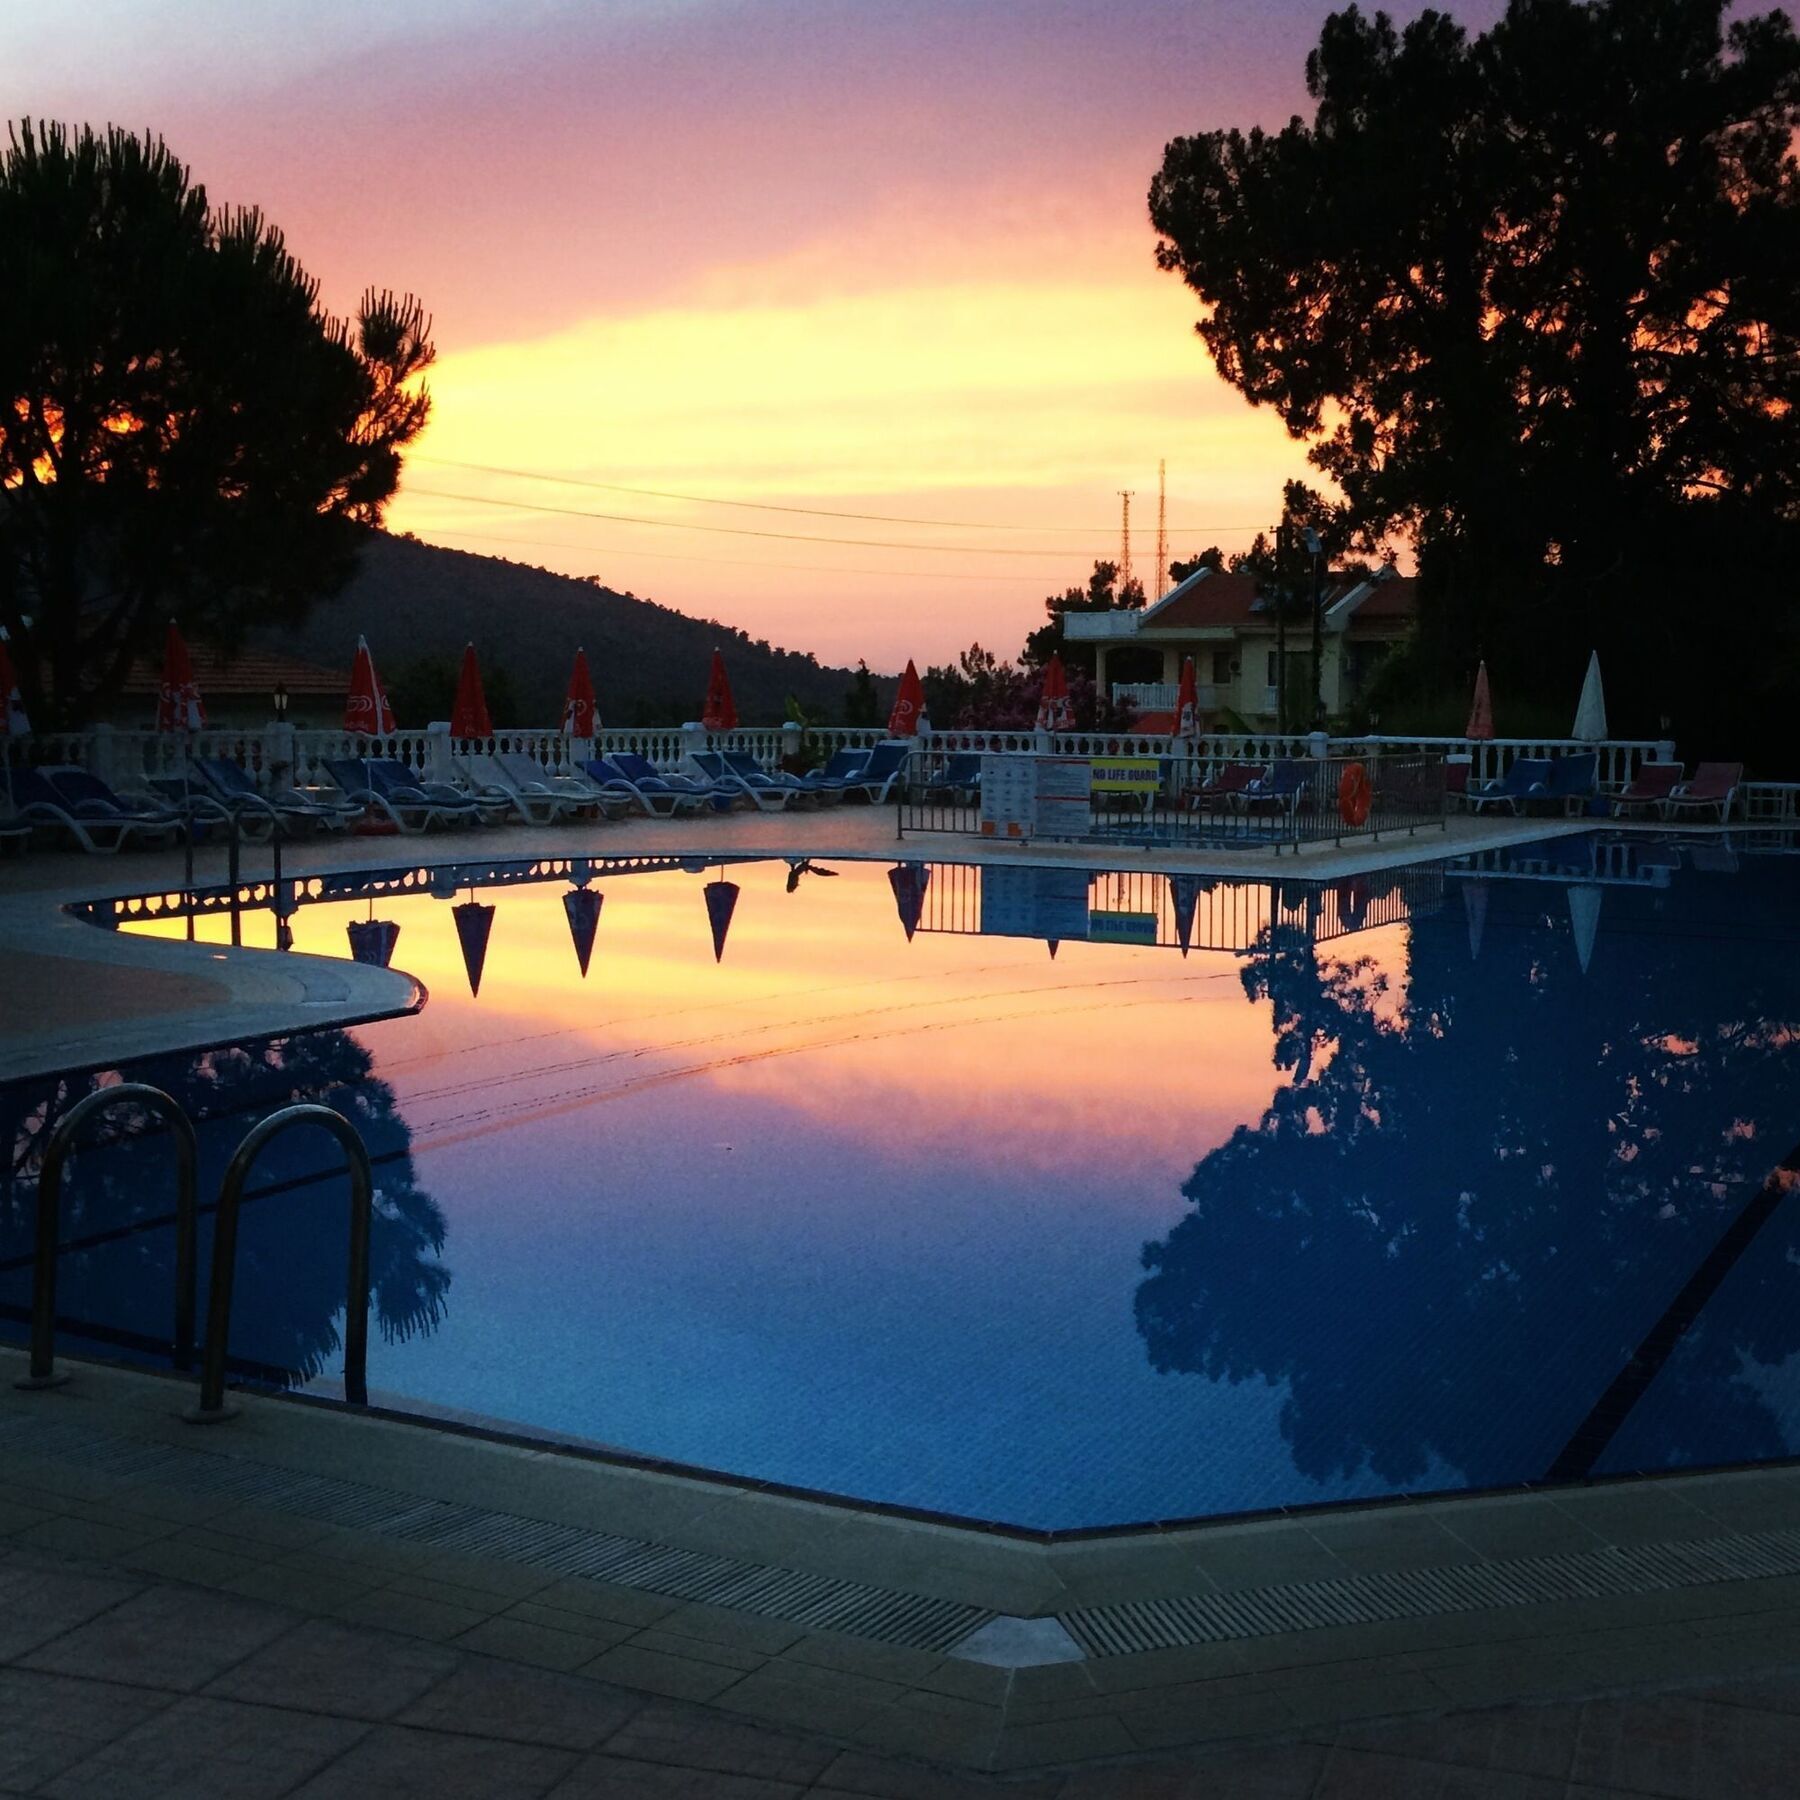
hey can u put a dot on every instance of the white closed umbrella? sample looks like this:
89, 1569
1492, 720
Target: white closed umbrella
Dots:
1584, 921
1590, 713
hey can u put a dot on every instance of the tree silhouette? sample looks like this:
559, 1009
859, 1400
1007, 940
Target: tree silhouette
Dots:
1529, 298
117, 1270
1470, 1202
182, 428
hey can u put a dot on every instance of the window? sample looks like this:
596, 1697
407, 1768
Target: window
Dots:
1221, 668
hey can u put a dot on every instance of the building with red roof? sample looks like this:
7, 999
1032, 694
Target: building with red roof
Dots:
1230, 630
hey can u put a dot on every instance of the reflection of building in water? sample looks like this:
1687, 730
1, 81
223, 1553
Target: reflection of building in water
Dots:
1198, 912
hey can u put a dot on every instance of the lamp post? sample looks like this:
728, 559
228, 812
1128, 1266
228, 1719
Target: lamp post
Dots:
281, 702
1316, 550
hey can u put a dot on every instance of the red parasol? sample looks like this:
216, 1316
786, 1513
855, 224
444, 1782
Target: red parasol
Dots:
178, 705
13, 722
373, 940
1481, 713
1184, 892
581, 715
366, 706
903, 721
474, 920
1187, 704
720, 711
582, 905
721, 903
469, 717
1054, 712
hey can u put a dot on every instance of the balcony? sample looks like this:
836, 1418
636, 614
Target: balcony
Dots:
1159, 696
1088, 626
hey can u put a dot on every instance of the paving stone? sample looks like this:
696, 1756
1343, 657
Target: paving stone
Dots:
676, 1677
1288, 1772
706, 1650
626, 1606
1528, 1740
526, 1642
855, 1772
49, 1722
39, 1603
206, 1746
322, 1666
501, 1700
696, 1739
1675, 1745
104, 1542
610, 1778
1368, 1775
165, 1637
739, 1630
393, 1761
389, 1611
1072, 1740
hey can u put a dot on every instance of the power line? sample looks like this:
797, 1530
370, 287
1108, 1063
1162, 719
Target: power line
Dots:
730, 562
813, 512
795, 537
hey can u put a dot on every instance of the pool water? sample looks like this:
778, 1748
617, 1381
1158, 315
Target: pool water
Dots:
1089, 1200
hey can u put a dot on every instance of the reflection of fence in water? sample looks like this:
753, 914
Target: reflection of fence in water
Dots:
1143, 907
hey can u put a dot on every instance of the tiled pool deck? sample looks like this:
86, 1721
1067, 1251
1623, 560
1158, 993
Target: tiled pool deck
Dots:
304, 1602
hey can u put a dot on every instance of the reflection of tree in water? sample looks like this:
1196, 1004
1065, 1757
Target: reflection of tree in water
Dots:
1452, 1228
119, 1195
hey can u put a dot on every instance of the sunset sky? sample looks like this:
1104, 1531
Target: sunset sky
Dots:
887, 259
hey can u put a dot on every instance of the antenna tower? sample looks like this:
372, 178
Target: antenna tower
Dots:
1162, 527
1125, 539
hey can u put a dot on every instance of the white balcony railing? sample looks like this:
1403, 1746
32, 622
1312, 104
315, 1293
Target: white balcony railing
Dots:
1161, 696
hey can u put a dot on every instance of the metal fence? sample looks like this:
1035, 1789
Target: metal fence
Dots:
1173, 801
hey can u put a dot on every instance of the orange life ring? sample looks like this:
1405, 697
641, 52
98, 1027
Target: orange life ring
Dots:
1355, 794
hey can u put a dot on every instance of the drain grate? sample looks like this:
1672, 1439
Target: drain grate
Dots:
1414, 1593
819, 1602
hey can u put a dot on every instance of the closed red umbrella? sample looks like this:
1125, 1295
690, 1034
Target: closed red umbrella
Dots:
581, 715
721, 903
582, 907
903, 721
469, 717
1054, 712
13, 722
178, 705
1187, 704
720, 710
474, 921
909, 882
1481, 711
366, 706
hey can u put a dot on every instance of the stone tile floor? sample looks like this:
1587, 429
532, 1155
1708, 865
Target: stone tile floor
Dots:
113, 1683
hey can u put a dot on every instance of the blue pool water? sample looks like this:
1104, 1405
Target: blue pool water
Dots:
1448, 1178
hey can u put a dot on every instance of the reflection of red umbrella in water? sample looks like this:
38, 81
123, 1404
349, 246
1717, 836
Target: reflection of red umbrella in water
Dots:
721, 903
178, 705
366, 706
903, 721
373, 940
1481, 709
1054, 711
582, 905
720, 710
469, 717
909, 882
474, 921
1184, 891
581, 714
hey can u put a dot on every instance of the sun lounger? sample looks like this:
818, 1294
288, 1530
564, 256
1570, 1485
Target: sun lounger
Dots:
958, 781
1281, 790
1228, 782
516, 786
232, 786
572, 785
1649, 787
1714, 788
745, 766
882, 770
484, 805
764, 794
1527, 779
842, 767
407, 809
1574, 781
98, 826
642, 771
651, 795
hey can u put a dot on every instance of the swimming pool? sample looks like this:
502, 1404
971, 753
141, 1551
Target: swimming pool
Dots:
1032, 1196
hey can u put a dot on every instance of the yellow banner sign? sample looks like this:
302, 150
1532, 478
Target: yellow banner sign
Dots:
1125, 774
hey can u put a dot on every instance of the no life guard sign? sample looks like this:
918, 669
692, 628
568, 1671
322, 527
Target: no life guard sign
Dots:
1126, 775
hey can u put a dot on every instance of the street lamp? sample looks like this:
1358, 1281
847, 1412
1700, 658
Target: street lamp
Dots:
1316, 549
281, 702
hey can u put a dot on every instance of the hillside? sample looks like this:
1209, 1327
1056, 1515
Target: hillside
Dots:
418, 604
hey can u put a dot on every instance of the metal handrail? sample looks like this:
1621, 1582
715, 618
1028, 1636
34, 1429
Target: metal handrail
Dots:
49, 1223
212, 1405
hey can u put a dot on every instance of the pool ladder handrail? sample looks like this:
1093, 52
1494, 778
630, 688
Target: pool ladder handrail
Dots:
212, 1405
43, 1371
